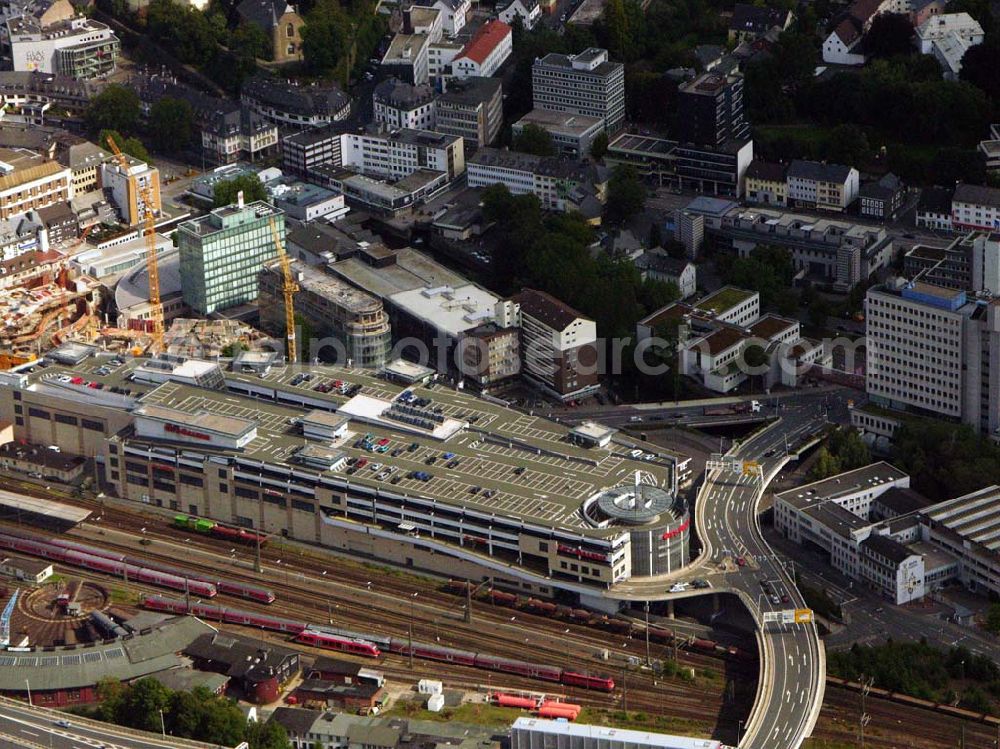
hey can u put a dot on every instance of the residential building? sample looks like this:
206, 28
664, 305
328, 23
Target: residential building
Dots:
398, 104
948, 36
970, 263
295, 106
750, 22
689, 230
921, 10
408, 58
454, 13
572, 134
975, 208
31, 96
52, 39
488, 49
127, 188
823, 186
280, 22
657, 265
60, 223
843, 45
882, 200
440, 55
29, 181
558, 345
934, 208
587, 84
710, 110
222, 252
560, 185
766, 183
932, 350
333, 309
526, 11
84, 161
471, 108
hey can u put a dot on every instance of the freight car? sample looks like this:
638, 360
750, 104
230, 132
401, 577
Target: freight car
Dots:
905, 699
373, 645
241, 590
136, 573
219, 530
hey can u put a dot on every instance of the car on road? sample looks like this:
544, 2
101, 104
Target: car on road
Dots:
741, 562
700, 583
678, 587
775, 600
785, 598
63, 723
635, 453
635, 418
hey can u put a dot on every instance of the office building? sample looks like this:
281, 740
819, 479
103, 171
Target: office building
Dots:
934, 208
333, 309
397, 154
399, 104
73, 46
221, 254
713, 170
710, 110
586, 84
470, 108
302, 152
572, 134
126, 188
970, 263
488, 49
408, 58
934, 351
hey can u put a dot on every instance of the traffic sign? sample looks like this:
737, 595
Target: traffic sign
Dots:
803, 616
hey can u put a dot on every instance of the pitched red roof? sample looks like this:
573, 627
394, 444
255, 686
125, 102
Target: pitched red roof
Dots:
485, 41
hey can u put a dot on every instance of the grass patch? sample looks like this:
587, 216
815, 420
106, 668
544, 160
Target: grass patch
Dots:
120, 595
642, 721
478, 713
828, 744
724, 299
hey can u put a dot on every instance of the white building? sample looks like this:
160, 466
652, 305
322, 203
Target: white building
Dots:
398, 104
587, 83
77, 47
529, 11
126, 189
399, 153
535, 733
488, 49
948, 37
454, 13
407, 58
819, 185
974, 207
572, 134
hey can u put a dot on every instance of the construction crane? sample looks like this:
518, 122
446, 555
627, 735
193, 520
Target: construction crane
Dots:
289, 289
145, 197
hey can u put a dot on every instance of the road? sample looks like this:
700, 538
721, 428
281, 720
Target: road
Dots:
22, 726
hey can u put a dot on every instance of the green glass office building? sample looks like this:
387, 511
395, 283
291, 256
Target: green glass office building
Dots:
222, 253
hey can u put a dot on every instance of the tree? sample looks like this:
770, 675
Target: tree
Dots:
848, 145
269, 735
249, 39
993, 618
819, 310
171, 123
534, 139
889, 35
184, 30
599, 146
980, 65
826, 465
626, 195
326, 37
755, 359
115, 108
143, 702
227, 191
129, 146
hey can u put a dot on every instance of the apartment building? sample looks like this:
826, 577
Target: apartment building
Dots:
750, 22
454, 13
527, 11
948, 36
488, 49
882, 200
934, 208
934, 351
398, 104
558, 345
471, 108
975, 208
29, 181
588, 84
823, 186
334, 309
221, 254
126, 189
766, 183
560, 185
295, 106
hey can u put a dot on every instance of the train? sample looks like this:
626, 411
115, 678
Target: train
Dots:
374, 646
618, 624
228, 587
219, 530
118, 568
107, 626
905, 699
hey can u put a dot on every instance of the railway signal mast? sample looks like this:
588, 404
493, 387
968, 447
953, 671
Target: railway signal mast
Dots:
144, 199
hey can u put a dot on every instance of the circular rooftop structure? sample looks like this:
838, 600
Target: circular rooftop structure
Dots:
634, 505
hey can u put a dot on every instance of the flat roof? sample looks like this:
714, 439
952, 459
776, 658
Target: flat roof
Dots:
206, 420
451, 309
604, 735
974, 516
565, 123
724, 299
842, 484
412, 270
557, 477
13, 502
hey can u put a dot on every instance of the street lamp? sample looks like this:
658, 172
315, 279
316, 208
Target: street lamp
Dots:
163, 727
29, 692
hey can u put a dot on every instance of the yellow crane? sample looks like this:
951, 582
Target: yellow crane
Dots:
289, 289
145, 197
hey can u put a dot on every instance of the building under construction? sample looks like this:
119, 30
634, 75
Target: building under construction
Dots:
35, 318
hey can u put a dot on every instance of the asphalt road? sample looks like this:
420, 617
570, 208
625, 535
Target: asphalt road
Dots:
22, 726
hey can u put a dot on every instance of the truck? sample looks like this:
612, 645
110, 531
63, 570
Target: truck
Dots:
735, 408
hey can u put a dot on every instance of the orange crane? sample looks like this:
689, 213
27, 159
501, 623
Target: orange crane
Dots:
288, 288
145, 196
